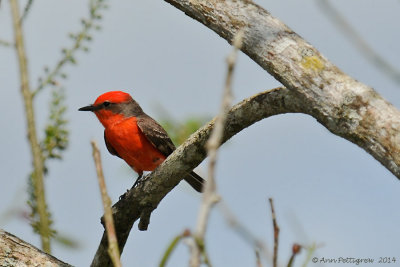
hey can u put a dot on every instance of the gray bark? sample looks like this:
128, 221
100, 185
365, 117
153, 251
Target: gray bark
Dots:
343, 105
16, 252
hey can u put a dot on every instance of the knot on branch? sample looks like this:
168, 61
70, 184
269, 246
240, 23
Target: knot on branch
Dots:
145, 218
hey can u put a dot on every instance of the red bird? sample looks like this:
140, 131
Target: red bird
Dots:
133, 135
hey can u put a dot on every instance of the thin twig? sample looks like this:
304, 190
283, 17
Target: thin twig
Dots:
68, 54
113, 249
383, 65
6, 43
258, 259
243, 232
193, 245
210, 196
295, 250
37, 175
174, 243
26, 10
206, 259
15, 208
276, 234
310, 252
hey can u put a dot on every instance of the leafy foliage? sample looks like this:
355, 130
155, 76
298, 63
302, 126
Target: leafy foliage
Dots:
180, 131
56, 139
34, 215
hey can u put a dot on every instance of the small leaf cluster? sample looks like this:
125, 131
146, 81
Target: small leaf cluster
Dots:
180, 131
55, 140
56, 132
34, 215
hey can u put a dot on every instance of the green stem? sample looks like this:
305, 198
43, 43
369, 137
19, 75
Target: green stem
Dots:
169, 250
37, 176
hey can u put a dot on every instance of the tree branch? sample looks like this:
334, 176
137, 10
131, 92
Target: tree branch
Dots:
295, 250
79, 39
343, 105
315, 86
16, 252
37, 156
362, 45
276, 233
244, 233
139, 202
27, 8
210, 195
113, 249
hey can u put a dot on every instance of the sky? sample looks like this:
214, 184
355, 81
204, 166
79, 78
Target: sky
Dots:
326, 190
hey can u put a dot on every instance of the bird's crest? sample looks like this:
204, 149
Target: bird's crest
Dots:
113, 97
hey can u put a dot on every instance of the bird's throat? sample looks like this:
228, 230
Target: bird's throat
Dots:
108, 118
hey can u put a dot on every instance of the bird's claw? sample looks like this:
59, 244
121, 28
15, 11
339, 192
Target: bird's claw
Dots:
138, 181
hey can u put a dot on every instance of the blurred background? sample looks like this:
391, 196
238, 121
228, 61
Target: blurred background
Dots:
326, 190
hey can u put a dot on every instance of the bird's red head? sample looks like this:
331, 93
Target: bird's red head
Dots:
113, 97
113, 106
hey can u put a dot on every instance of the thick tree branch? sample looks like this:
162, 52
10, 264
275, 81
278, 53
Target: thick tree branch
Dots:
140, 201
361, 44
16, 252
315, 86
345, 106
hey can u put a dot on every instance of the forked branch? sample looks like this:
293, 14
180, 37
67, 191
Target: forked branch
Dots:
314, 86
343, 105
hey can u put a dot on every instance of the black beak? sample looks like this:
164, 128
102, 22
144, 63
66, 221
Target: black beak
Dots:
87, 108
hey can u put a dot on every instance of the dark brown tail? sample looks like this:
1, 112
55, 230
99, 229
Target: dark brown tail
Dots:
195, 181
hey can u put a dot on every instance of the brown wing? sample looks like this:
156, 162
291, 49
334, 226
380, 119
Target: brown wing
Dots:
156, 134
109, 147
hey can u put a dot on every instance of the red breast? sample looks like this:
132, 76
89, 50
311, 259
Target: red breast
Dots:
132, 145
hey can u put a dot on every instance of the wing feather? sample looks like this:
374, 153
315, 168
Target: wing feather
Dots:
110, 147
156, 134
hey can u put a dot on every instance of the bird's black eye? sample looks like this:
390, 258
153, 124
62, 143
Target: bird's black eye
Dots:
106, 103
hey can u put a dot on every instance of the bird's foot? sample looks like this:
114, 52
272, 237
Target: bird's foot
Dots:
138, 181
123, 196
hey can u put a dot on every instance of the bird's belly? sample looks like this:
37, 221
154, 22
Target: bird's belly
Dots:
131, 145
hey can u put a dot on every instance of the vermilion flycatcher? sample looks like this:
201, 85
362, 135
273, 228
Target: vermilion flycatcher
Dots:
133, 135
